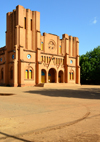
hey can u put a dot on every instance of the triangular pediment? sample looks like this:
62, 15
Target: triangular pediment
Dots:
52, 63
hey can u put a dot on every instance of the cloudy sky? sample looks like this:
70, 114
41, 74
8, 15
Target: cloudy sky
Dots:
79, 18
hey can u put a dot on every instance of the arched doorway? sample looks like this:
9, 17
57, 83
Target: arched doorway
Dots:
43, 76
60, 77
52, 75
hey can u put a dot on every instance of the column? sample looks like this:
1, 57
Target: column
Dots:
78, 75
15, 71
56, 76
46, 76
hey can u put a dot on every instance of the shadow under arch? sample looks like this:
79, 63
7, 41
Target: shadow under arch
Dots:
52, 75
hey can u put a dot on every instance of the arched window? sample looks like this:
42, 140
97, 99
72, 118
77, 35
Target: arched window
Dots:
44, 59
47, 59
41, 45
30, 74
71, 75
41, 58
2, 73
26, 74
11, 73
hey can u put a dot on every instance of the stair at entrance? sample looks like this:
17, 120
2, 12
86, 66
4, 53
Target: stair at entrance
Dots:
56, 84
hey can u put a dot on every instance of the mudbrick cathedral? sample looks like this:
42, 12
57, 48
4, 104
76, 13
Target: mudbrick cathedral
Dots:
30, 58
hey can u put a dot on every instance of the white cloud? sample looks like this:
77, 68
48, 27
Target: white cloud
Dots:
94, 21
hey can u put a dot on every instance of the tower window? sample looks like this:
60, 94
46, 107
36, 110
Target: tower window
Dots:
41, 45
31, 24
24, 22
60, 49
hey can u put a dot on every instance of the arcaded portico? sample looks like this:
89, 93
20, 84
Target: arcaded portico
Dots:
30, 58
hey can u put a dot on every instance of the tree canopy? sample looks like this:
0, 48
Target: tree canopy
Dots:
90, 65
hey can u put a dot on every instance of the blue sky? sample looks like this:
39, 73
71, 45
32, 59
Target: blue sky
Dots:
79, 18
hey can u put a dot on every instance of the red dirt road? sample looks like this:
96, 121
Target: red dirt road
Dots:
50, 114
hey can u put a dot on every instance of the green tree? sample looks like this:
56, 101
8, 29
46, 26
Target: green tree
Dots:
90, 65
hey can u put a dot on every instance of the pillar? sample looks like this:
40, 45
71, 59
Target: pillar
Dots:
77, 64
16, 67
56, 76
46, 76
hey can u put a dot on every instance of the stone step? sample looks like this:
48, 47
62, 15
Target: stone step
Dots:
56, 84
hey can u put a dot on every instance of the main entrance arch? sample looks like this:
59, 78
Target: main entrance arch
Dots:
60, 77
52, 75
43, 76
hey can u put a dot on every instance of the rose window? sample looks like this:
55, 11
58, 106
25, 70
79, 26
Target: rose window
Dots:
51, 45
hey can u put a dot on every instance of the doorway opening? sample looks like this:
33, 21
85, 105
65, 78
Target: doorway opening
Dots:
43, 76
52, 75
60, 77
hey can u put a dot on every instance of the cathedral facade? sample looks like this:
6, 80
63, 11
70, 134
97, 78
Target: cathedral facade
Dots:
30, 58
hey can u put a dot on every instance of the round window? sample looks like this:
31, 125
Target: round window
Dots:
28, 56
71, 61
51, 45
12, 56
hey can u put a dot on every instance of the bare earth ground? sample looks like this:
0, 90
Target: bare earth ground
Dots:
50, 114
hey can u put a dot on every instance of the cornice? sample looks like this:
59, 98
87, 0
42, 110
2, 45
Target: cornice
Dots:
70, 66
27, 62
72, 57
11, 51
29, 51
52, 54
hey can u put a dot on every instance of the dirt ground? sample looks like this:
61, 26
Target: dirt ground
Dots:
50, 114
